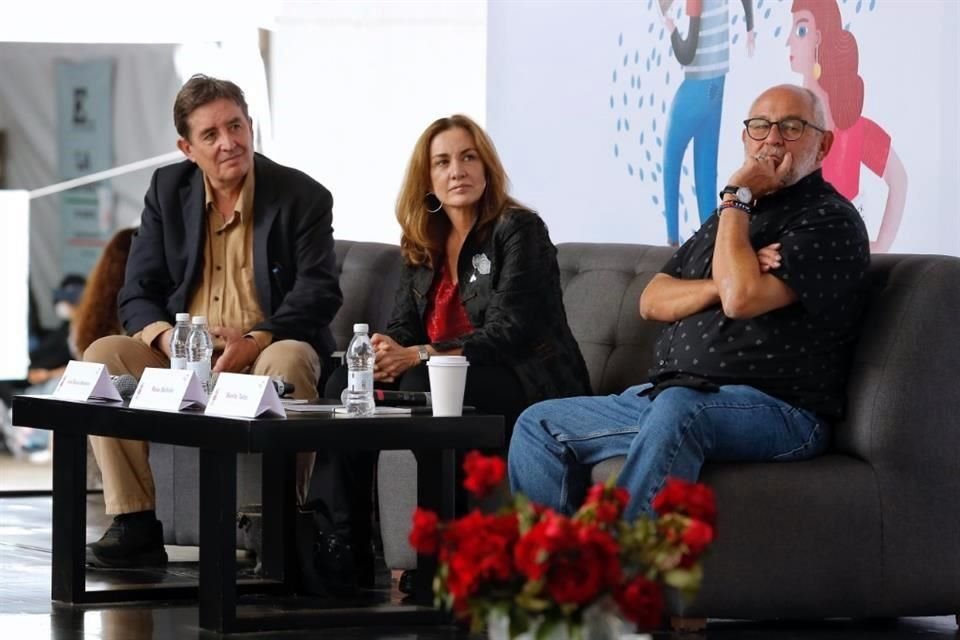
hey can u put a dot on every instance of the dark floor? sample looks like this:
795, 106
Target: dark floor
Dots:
26, 611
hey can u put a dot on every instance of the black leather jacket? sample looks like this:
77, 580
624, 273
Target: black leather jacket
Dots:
509, 283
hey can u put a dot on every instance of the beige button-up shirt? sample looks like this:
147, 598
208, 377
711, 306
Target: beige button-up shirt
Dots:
226, 293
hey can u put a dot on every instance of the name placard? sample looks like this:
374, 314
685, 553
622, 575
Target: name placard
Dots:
168, 390
85, 381
244, 396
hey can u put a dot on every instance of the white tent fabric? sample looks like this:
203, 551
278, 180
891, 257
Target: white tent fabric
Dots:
145, 82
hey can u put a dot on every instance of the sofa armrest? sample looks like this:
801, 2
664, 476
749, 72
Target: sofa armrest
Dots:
903, 418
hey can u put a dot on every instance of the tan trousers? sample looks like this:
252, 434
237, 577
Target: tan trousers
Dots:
127, 478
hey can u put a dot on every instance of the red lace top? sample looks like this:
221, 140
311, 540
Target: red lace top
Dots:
445, 317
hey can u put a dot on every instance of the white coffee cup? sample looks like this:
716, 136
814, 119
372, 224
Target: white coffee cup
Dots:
448, 378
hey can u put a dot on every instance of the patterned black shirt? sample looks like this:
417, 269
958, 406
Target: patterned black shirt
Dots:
798, 353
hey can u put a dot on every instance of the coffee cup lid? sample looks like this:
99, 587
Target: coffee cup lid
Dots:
447, 361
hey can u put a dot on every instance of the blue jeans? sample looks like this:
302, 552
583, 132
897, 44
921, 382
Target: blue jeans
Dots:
694, 114
556, 442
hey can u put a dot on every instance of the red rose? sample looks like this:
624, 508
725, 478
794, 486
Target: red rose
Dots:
641, 601
688, 498
484, 473
697, 536
425, 536
607, 503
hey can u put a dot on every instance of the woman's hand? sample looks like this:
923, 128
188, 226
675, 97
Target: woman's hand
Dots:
392, 360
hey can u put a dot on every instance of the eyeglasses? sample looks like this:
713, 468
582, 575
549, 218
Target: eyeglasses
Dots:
790, 128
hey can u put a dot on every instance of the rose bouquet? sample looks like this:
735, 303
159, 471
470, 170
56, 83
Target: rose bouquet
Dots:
540, 569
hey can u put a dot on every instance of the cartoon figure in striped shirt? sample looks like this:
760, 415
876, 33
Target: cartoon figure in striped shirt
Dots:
698, 104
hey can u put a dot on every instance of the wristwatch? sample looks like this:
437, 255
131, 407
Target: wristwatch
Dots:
423, 353
742, 194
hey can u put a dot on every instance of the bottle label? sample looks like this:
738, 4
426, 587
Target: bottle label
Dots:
201, 368
360, 380
178, 363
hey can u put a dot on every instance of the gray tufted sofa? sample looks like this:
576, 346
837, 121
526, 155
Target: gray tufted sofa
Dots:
872, 529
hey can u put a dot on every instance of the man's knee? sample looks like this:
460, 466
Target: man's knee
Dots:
287, 353
123, 354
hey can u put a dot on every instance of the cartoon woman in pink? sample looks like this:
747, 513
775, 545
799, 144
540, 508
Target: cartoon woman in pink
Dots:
826, 56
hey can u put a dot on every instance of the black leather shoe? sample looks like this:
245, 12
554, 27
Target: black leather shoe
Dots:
407, 583
133, 540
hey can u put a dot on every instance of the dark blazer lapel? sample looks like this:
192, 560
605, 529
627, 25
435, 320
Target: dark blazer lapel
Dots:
192, 199
265, 211
422, 281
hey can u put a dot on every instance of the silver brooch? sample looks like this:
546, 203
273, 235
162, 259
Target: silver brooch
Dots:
481, 263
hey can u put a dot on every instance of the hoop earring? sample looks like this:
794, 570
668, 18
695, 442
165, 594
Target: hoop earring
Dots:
817, 69
432, 203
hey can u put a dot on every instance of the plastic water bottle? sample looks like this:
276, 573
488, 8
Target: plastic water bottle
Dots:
200, 350
178, 342
358, 396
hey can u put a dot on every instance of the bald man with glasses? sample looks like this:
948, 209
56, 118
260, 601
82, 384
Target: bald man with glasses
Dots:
761, 309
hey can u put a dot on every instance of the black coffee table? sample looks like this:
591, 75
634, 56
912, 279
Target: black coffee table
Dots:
434, 442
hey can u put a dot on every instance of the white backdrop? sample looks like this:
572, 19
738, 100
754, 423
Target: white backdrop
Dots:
578, 92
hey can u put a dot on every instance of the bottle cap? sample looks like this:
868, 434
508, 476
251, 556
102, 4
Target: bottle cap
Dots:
361, 327
183, 317
199, 320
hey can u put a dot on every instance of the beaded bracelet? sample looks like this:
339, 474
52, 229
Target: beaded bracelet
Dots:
735, 204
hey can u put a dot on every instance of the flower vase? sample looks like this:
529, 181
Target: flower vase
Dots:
600, 622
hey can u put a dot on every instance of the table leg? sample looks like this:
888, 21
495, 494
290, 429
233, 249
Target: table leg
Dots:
218, 540
68, 564
436, 490
279, 509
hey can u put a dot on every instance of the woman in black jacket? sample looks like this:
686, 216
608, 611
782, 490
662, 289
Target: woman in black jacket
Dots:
480, 278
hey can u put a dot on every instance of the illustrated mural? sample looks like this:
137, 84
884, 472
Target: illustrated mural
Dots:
654, 131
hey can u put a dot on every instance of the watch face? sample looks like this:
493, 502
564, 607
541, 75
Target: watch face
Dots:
744, 195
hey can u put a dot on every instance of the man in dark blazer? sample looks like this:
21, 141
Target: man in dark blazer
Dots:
230, 235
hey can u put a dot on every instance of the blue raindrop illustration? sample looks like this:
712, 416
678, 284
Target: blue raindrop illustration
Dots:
686, 215
641, 172
611, 102
659, 168
620, 40
736, 37
626, 124
736, 17
658, 59
659, 142
641, 137
859, 5
655, 199
680, 195
776, 32
873, 4
649, 5
663, 106
630, 168
633, 82
766, 14
614, 75
653, 177
662, 32
640, 103
654, 124
618, 124
636, 57
650, 28
624, 98
616, 151
759, 4
651, 98
626, 59
649, 157
668, 77
639, 82
648, 65
685, 170
846, 27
